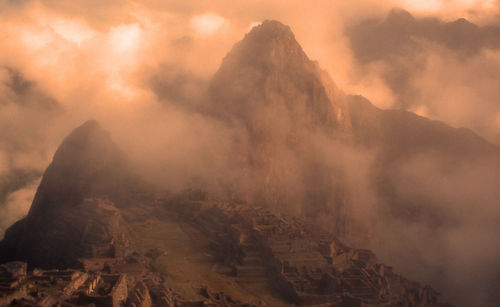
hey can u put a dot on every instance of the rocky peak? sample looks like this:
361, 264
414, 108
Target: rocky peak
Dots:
86, 163
271, 40
268, 77
268, 86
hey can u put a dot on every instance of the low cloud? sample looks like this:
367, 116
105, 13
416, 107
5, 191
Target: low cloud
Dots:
141, 69
438, 69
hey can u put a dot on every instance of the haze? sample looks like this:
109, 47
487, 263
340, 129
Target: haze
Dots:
142, 70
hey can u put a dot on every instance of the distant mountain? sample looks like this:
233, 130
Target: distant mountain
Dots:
426, 174
400, 138
400, 32
401, 134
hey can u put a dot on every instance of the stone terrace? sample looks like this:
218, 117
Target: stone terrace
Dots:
307, 265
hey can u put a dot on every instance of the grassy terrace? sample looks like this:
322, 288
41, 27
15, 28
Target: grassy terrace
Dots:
184, 257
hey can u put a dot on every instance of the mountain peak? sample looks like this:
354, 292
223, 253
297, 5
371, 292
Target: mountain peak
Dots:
86, 161
272, 39
267, 73
400, 16
271, 29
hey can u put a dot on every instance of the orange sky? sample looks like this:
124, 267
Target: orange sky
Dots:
95, 57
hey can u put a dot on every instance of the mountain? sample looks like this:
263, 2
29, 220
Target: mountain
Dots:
86, 163
286, 105
267, 77
401, 33
161, 249
92, 213
300, 158
402, 134
404, 140
87, 174
435, 179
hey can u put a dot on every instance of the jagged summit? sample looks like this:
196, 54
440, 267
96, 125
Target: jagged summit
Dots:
271, 36
272, 25
86, 163
268, 77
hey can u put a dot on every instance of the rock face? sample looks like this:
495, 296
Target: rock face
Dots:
267, 77
66, 220
285, 103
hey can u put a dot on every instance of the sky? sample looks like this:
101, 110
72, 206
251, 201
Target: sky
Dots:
108, 49
136, 66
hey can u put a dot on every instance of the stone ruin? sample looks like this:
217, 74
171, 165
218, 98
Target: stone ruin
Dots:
306, 264
73, 287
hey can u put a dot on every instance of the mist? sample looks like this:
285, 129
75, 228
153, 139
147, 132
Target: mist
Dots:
143, 70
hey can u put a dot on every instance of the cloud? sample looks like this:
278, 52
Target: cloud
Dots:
4, 163
17, 205
444, 70
207, 24
142, 68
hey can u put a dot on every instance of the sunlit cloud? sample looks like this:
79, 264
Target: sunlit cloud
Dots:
72, 30
207, 24
92, 57
125, 38
444, 5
